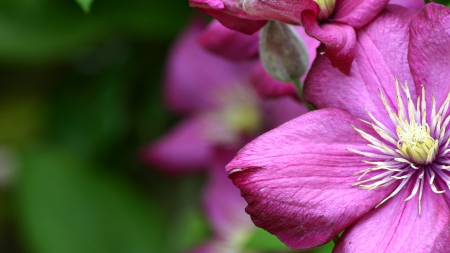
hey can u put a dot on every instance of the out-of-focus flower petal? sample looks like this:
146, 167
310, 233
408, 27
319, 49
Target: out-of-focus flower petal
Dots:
397, 226
267, 86
381, 56
429, 50
184, 149
287, 11
357, 13
339, 40
228, 43
297, 179
280, 110
222, 200
412, 4
193, 75
227, 12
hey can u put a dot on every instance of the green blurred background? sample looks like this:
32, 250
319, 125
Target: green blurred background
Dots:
80, 95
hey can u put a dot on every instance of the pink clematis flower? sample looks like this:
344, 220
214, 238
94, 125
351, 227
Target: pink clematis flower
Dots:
234, 45
222, 111
374, 161
332, 22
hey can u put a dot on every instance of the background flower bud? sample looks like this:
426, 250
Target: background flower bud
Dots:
282, 52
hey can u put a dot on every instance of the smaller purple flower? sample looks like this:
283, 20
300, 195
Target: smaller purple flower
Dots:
222, 112
374, 159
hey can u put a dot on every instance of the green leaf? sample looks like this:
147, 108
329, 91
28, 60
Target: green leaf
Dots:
67, 205
85, 4
188, 223
264, 241
21, 119
327, 248
90, 115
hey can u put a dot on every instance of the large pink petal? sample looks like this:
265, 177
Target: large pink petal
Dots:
429, 50
397, 226
357, 13
193, 76
297, 178
280, 110
381, 56
287, 11
339, 40
184, 149
413, 4
228, 43
223, 203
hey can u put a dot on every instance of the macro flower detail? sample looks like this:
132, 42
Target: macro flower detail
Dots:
316, 176
326, 9
417, 149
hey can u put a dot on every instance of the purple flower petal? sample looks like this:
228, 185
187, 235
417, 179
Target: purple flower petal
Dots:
396, 226
280, 110
228, 43
222, 200
184, 149
357, 13
339, 40
297, 178
267, 86
193, 75
412, 4
227, 12
381, 56
287, 11
429, 50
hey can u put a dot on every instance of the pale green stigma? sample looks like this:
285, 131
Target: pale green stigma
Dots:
238, 112
416, 144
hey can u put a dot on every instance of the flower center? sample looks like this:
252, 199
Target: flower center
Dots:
326, 9
416, 144
237, 112
414, 153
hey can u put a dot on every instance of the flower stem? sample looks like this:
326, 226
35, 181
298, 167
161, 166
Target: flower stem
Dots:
299, 87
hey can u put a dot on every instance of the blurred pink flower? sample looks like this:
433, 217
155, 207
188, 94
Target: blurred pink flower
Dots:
222, 112
332, 22
374, 160
221, 107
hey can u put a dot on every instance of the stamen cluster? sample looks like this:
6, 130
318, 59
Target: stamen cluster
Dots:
416, 152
